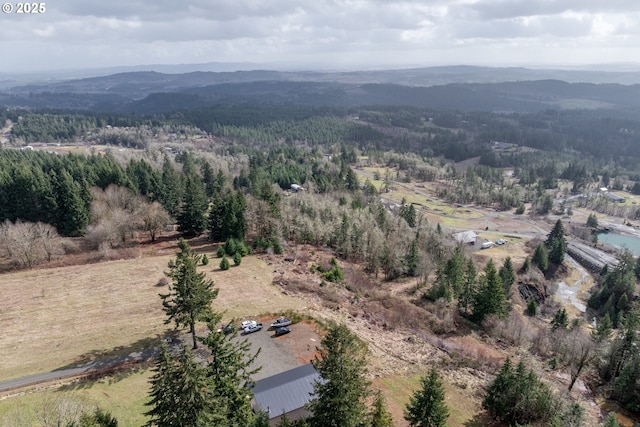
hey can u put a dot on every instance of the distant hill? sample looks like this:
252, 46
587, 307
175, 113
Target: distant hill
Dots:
460, 87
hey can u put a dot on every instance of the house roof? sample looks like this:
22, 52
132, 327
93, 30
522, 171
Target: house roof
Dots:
285, 392
613, 196
465, 236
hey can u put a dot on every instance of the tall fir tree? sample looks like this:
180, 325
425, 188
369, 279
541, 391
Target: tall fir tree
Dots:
541, 258
72, 216
469, 288
490, 298
178, 395
380, 415
227, 217
339, 399
192, 218
229, 374
517, 396
507, 275
190, 292
412, 258
427, 408
171, 188
556, 243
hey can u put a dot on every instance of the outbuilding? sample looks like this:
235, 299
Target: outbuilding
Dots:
468, 237
286, 393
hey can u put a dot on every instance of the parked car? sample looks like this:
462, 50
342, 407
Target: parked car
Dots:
227, 329
282, 331
281, 322
251, 329
248, 324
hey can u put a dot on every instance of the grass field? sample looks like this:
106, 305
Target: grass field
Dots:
57, 317
462, 408
123, 396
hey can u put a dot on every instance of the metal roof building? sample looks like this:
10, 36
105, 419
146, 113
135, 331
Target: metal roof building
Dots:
466, 237
286, 393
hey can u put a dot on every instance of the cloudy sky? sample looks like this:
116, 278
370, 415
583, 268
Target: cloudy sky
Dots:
332, 34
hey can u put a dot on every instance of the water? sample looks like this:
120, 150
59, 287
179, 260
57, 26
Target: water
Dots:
622, 241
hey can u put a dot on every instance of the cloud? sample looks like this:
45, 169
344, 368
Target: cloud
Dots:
76, 33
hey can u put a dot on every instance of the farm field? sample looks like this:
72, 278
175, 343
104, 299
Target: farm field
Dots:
57, 317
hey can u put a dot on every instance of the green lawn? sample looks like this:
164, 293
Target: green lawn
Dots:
123, 395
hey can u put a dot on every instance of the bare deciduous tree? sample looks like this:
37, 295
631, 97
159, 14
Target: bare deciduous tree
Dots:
154, 218
113, 214
28, 244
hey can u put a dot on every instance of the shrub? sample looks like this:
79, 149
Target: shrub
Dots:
230, 246
220, 252
224, 264
532, 308
205, 259
276, 245
233, 246
237, 258
335, 274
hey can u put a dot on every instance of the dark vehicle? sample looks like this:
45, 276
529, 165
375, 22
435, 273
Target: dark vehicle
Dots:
281, 322
282, 331
252, 328
227, 329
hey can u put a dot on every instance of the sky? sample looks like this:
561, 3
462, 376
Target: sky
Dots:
319, 34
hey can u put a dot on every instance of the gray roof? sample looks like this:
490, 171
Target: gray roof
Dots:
466, 236
285, 392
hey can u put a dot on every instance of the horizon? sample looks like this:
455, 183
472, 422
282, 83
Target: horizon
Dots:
360, 35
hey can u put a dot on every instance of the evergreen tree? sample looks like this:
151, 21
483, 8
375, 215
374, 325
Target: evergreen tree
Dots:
624, 362
507, 275
190, 293
229, 377
380, 415
171, 188
72, 216
412, 259
541, 258
611, 420
559, 248
227, 217
516, 396
340, 398
178, 391
603, 330
99, 418
427, 408
532, 308
556, 243
592, 221
560, 319
525, 265
237, 258
408, 213
469, 289
224, 264
192, 218
490, 298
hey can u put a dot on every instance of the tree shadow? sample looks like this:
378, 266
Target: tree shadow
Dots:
481, 420
117, 363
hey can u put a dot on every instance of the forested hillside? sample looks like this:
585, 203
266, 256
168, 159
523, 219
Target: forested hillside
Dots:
379, 178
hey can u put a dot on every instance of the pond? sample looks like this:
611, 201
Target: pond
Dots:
621, 241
